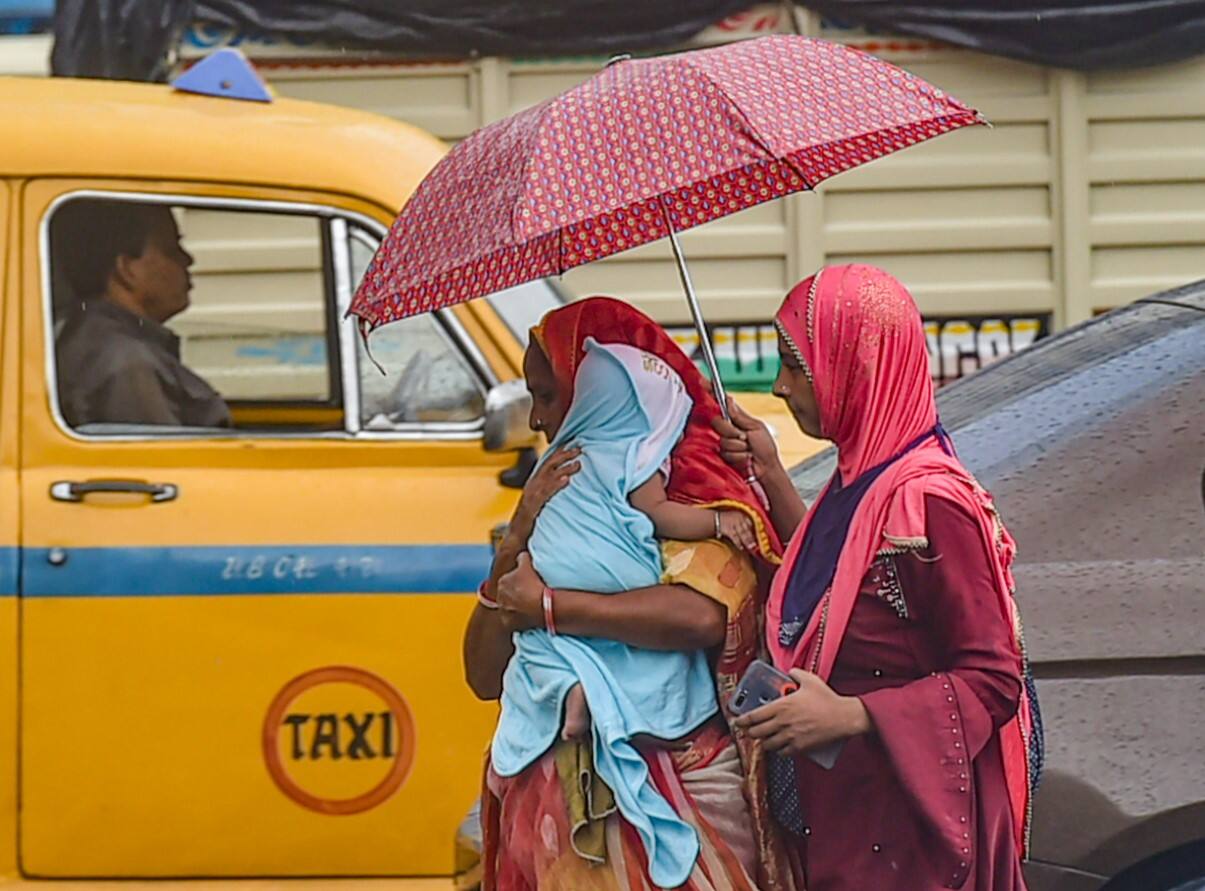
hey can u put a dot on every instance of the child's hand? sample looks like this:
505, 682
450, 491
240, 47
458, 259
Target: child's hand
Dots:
738, 528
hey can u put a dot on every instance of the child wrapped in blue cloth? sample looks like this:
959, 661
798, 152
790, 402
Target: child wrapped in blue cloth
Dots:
599, 534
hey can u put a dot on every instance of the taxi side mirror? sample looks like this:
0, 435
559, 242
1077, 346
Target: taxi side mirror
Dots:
507, 408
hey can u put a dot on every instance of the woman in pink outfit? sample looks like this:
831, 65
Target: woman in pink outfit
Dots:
893, 610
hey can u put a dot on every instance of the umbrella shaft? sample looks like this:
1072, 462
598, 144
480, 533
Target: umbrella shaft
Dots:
709, 354
697, 312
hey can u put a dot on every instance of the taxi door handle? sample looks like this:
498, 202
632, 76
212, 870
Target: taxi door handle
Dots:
68, 490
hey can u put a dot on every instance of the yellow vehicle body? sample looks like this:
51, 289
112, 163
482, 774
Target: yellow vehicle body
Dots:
261, 678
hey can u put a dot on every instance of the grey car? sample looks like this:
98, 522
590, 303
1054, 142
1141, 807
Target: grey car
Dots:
1093, 442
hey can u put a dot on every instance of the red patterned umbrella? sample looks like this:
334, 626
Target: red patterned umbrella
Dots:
642, 150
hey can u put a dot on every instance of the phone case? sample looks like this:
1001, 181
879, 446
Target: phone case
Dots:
760, 684
764, 683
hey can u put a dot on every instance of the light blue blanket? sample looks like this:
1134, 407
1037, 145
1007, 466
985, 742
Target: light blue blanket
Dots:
628, 412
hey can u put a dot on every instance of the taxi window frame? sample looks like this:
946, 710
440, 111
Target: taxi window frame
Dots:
450, 329
337, 292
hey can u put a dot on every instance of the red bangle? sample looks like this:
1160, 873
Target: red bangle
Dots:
549, 622
483, 598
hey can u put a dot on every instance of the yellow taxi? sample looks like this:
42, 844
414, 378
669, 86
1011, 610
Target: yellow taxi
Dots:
236, 652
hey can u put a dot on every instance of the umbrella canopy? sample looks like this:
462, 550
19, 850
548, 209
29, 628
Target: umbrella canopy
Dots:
643, 149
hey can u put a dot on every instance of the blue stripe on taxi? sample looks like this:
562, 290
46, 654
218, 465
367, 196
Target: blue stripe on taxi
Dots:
9, 567
218, 571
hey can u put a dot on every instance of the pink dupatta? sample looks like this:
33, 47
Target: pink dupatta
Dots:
859, 334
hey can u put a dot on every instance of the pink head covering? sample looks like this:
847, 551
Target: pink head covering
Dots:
859, 333
859, 336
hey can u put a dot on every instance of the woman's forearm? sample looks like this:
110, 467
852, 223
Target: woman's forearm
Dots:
487, 650
487, 641
506, 556
786, 505
663, 617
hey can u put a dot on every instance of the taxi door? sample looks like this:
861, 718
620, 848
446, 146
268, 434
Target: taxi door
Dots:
240, 649
9, 538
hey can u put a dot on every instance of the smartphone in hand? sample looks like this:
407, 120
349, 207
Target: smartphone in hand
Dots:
762, 683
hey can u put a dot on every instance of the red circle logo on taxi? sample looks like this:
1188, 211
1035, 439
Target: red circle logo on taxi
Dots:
338, 740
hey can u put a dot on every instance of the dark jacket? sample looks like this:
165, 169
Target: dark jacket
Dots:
117, 368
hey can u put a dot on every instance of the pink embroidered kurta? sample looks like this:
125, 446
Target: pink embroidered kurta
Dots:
922, 803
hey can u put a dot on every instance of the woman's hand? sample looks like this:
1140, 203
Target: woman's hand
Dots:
811, 717
736, 527
521, 596
552, 476
746, 443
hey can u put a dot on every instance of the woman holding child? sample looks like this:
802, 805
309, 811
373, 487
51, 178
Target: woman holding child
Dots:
645, 421
892, 612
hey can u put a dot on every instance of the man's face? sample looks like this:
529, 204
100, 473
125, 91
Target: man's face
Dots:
160, 278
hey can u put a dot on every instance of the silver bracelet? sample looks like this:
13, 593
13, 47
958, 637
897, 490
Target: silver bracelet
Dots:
717, 524
484, 599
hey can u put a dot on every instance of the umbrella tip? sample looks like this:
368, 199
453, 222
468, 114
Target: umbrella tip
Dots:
622, 57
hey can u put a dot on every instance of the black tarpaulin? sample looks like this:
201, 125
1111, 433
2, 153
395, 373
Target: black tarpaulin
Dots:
119, 39
478, 27
128, 38
1081, 34
131, 38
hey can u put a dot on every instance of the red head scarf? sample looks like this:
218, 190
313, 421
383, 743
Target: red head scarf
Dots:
858, 334
698, 476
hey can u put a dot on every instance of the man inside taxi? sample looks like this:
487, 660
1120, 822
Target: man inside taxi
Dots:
128, 274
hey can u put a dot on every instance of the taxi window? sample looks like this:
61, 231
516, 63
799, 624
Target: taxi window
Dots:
259, 322
414, 373
183, 318
522, 307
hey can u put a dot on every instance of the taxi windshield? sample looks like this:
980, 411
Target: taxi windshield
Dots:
522, 307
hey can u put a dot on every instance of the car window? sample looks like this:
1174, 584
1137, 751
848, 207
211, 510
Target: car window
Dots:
180, 317
412, 371
521, 308
258, 325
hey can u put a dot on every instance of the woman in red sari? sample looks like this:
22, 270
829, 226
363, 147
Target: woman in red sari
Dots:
893, 611
553, 826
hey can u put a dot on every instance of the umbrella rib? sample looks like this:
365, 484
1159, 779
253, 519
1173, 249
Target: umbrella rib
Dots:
762, 142
756, 135
542, 111
539, 113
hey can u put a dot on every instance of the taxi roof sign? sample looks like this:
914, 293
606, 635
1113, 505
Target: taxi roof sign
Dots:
226, 73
